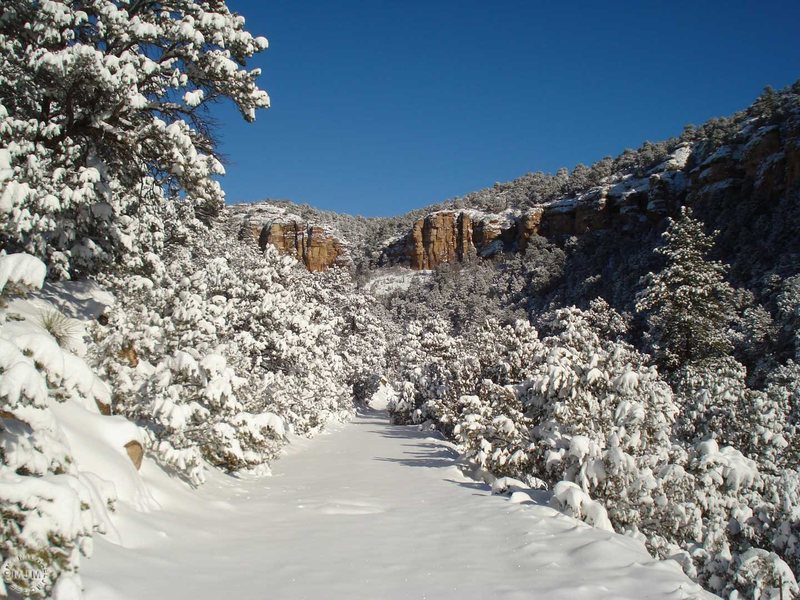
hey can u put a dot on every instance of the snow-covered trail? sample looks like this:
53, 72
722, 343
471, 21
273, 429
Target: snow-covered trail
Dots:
370, 510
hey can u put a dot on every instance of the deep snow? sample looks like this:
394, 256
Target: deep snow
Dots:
369, 510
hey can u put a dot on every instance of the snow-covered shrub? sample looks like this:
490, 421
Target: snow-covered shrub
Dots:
569, 498
605, 422
779, 529
193, 404
602, 415
713, 399
49, 509
403, 406
713, 509
298, 343
716, 403
436, 371
364, 347
216, 339
779, 418
762, 574
359, 324
507, 353
743, 470
425, 362
493, 431
18, 273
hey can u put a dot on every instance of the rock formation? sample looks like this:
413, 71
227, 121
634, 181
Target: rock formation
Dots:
314, 246
758, 169
439, 238
762, 168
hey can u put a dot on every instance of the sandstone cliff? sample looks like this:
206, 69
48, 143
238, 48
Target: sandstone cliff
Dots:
731, 174
316, 247
763, 167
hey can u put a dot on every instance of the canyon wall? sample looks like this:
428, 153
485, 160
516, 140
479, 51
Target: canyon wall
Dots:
756, 173
763, 168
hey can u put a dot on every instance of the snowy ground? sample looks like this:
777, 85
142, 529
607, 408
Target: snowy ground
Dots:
370, 510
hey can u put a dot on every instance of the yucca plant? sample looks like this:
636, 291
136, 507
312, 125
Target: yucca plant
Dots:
63, 329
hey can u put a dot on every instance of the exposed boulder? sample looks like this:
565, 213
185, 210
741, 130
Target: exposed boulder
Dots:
135, 453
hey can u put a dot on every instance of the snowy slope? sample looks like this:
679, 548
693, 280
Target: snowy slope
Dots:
370, 510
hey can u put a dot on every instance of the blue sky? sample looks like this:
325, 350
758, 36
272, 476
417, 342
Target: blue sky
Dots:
382, 106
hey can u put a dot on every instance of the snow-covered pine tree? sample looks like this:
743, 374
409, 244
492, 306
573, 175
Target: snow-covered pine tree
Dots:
789, 313
102, 120
688, 304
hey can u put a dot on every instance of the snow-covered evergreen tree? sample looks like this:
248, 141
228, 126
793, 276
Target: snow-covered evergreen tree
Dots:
102, 122
789, 311
689, 305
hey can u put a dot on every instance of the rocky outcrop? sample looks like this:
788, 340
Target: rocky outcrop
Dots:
492, 234
751, 177
528, 226
762, 168
447, 236
316, 247
439, 238
267, 224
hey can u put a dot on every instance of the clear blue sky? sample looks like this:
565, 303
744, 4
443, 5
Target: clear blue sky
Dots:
382, 106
